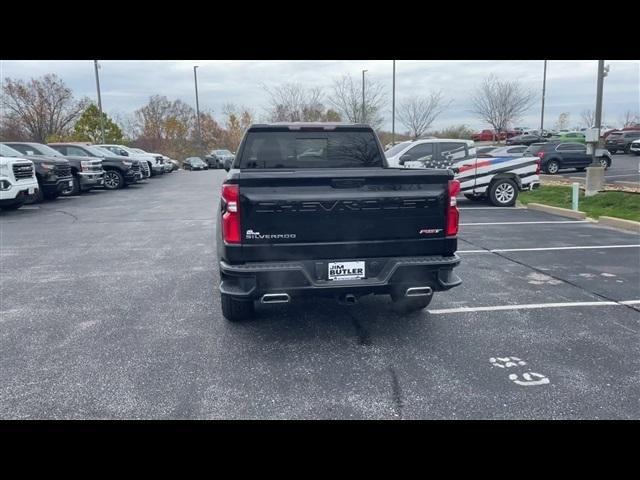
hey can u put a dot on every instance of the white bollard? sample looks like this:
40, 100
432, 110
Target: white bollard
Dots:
575, 196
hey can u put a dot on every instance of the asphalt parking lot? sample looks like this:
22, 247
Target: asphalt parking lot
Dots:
110, 309
624, 168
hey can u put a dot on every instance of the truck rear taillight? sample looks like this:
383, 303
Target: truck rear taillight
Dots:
231, 215
538, 166
540, 155
453, 215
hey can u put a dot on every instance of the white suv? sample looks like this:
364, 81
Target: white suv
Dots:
17, 182
635, 147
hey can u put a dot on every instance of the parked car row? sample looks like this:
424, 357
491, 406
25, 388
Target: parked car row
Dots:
33, 172
554, 155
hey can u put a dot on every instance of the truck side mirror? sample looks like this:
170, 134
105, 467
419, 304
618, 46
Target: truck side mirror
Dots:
404, 158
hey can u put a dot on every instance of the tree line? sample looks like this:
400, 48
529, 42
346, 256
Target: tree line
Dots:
44, 109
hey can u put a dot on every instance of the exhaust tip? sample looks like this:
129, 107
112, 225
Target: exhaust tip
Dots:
275, 298
419, 292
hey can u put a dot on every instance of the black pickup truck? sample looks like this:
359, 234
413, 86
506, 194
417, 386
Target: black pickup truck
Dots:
53, 173
313, 209
87, 173
118, 171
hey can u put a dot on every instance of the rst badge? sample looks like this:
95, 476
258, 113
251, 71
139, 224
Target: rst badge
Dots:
429, 231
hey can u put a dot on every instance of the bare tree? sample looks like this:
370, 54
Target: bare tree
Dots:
630, 118
501, 103
43, 106
292, 102
588, 118
563, 121
346, 97
418, 113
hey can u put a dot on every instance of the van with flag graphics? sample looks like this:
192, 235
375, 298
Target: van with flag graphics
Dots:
497, 179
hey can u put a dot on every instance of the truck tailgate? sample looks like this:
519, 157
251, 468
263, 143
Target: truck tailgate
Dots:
342, 213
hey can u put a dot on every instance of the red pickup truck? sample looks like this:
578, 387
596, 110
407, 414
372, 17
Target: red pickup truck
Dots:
484, 136
490, 135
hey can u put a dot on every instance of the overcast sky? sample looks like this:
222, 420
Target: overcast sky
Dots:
127, 85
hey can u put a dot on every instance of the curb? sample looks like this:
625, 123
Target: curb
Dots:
620, 223
563, 212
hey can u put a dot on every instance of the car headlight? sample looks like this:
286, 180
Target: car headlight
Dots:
4, 169
47, 166
85, 165
127, 164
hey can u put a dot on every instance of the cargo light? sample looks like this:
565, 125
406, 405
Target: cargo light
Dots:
453, 215
231, 215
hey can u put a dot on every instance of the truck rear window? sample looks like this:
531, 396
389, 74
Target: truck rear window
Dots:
336, 149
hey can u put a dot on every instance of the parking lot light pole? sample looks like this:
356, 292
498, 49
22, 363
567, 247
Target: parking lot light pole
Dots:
544, 85
195, 79
393, 107
595, 173
96, 67
363, 119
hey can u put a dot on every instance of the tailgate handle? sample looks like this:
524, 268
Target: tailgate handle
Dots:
347, 182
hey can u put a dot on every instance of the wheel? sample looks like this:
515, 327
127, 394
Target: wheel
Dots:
503, 193
474, 198
552, 167
403, 304
13, 206
113, 180
235, 310
604, 162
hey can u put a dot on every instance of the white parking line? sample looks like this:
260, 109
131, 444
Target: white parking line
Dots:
587, 247
530, 306
526, 223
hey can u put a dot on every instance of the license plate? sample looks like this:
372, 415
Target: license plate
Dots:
346, 270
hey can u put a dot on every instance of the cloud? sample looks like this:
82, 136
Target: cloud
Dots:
127, 85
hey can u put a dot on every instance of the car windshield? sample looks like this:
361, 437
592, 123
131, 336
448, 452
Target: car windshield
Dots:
395, 149
43, 150
6, 151
99, 151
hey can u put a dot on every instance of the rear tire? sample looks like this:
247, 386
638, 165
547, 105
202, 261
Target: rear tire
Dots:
552, 167
503, 193
236, 310
604, 162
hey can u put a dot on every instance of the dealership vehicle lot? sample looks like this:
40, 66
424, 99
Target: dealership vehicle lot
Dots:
624, 168
111, 311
